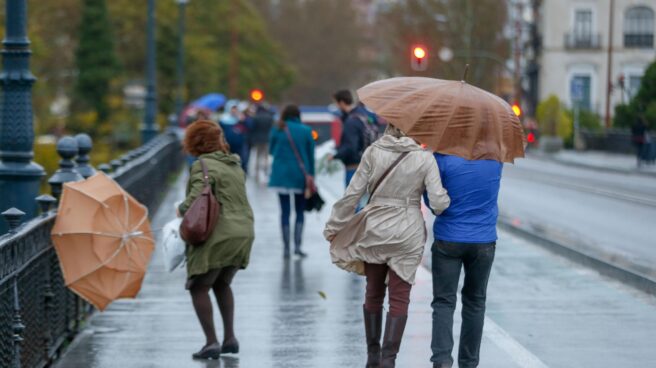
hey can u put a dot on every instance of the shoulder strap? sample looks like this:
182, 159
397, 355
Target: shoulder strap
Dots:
296, 153
206, 178
387, 172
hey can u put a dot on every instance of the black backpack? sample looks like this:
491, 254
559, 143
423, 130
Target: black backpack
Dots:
370, 133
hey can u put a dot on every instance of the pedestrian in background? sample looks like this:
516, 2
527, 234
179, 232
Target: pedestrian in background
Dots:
213, 264
639, 138
465, 237
262, 124
385, 241
292, 147
358, 132
233, 124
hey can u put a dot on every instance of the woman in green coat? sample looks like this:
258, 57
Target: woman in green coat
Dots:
213, 264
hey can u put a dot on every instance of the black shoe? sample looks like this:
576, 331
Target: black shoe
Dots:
298, 253
373, 325
230, 347
208, 352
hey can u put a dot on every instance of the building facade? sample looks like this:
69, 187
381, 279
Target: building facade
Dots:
574, 55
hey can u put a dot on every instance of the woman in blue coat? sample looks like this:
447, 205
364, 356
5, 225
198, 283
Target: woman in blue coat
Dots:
287, 175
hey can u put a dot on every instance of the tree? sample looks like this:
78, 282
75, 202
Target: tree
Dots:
643, 105
95, 59
324, 41
553, 118
229, 49
472, 29
87, 51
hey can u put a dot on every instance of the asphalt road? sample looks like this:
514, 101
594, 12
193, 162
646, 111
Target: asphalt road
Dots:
607, 213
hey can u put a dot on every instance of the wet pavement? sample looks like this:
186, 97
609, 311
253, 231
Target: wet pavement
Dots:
543, 311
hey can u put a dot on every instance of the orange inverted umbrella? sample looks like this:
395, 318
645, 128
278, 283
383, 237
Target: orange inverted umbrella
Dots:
102, 237
451, 117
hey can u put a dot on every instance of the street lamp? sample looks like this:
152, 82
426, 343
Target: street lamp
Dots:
19, 176
149, 129
179, 97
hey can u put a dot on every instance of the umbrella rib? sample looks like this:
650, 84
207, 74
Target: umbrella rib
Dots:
87, 195
453, 112
124, 241
106, 262
109, 235
141, 222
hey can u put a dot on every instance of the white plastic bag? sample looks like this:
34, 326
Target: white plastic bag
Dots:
173, 246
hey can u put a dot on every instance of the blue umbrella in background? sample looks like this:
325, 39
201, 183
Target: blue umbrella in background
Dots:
212, 101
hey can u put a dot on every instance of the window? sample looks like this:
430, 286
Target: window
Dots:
580, 92
639, 27
583, 26
633, 85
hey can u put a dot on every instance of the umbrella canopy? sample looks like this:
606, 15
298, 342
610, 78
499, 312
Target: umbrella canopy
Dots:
102, 237
212, 101
451, 117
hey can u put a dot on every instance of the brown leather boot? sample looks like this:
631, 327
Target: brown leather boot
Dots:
394, 327
373, 325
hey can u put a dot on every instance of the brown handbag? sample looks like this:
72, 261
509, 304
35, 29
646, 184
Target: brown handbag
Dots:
200, 219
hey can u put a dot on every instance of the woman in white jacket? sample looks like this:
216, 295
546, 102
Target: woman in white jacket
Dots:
385, 241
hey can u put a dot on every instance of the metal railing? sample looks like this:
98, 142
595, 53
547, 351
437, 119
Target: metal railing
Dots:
38, 313
576, 41
639, 40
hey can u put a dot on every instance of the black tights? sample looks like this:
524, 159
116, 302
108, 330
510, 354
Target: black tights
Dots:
203, 305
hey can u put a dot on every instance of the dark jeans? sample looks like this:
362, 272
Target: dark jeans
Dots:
285, 208
448, 259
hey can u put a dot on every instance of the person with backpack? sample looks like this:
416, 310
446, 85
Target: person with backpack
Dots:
292, 147
359, 132
385, 241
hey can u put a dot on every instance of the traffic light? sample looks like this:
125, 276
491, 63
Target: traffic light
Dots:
517, 109
531, 138
419, 58
257, 95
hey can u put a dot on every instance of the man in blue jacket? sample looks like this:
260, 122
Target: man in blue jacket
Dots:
465, 236
357, 132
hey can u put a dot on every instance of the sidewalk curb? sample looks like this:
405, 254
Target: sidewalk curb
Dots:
631, 278
547, 157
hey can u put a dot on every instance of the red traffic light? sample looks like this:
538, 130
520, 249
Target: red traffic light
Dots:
517, 109
419, 52
257, 95
530, 137
419, 58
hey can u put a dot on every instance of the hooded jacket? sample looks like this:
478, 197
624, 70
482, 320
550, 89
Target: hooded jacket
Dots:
231, 241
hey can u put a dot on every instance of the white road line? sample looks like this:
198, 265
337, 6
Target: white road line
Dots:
517, 352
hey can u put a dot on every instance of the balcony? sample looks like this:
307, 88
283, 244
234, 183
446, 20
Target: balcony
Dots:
577, 41
639, 40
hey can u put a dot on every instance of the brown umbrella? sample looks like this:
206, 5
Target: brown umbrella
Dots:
102, 237
451, 117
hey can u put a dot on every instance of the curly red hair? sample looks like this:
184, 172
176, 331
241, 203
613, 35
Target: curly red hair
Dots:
204, 136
